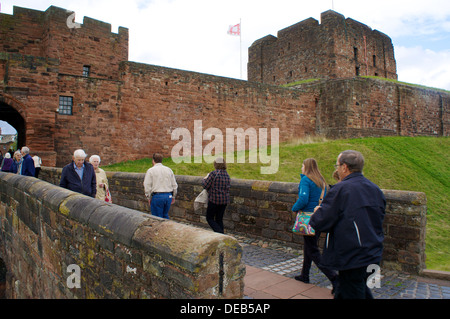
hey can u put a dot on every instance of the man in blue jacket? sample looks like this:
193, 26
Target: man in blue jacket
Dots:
79, 175
352, 214
27, 167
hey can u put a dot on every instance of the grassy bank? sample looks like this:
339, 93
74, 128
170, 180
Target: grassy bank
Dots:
404, 163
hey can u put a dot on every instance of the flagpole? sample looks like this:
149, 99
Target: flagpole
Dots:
240, 45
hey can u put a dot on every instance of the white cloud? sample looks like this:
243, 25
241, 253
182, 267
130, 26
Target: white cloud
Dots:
432, 70
7, 128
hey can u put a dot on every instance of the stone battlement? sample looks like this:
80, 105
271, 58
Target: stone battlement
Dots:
54, 34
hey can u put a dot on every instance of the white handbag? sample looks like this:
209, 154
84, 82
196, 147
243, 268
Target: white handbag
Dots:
202, 199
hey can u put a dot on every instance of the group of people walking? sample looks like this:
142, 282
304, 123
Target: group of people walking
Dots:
351, 212
21, 163
161, 187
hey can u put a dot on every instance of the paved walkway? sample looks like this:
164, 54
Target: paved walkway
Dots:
271, 270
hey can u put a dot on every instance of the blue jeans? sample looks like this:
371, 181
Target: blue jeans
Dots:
160, 205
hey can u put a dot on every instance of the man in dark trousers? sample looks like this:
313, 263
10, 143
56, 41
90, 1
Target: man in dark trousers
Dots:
352, 214
79, 175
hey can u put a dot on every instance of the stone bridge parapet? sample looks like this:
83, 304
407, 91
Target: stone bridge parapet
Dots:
262, 209
51, 237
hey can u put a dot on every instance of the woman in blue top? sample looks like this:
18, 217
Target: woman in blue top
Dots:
309, 191
16, 166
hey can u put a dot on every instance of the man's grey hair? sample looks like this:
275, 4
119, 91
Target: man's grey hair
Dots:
353, 159
25, 150
79, 153
94, 157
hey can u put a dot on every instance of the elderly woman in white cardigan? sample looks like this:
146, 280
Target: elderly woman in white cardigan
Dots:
102, 181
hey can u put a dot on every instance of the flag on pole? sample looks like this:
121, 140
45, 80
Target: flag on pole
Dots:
234, 29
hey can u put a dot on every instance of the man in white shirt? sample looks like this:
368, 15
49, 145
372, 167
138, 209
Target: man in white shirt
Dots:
37, 165
160, 187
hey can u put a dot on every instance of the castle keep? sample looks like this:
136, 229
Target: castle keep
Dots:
65, 86
335, 48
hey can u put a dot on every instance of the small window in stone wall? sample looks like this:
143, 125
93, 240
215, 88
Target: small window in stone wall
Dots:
86, 70
65, 105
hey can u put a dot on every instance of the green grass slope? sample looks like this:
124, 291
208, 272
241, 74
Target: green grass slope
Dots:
403, 163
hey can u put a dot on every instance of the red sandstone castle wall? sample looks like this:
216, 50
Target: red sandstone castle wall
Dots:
92, 44
423, 112
29, 87
93, 125
21, 32
46, 34
368, 107
134, 117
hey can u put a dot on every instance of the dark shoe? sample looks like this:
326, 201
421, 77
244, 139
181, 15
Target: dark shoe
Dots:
335, 284
302, 279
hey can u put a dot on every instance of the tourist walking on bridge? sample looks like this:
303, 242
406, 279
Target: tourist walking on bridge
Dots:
160, 187
17, 162
28, 168
79, 175
217, 183
312, 186
102, 181
352, 213
7, 163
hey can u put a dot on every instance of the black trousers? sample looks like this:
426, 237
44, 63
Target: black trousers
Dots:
214, 216
311, 253
353, 284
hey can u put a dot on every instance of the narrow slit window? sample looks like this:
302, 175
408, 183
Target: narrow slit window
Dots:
86, 70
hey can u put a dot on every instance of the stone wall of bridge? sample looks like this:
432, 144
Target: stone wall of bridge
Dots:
55, 243
262, 209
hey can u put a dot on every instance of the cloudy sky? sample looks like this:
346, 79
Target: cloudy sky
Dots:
192, 34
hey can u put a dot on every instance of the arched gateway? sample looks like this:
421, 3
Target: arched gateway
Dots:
15, 119
32, 130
